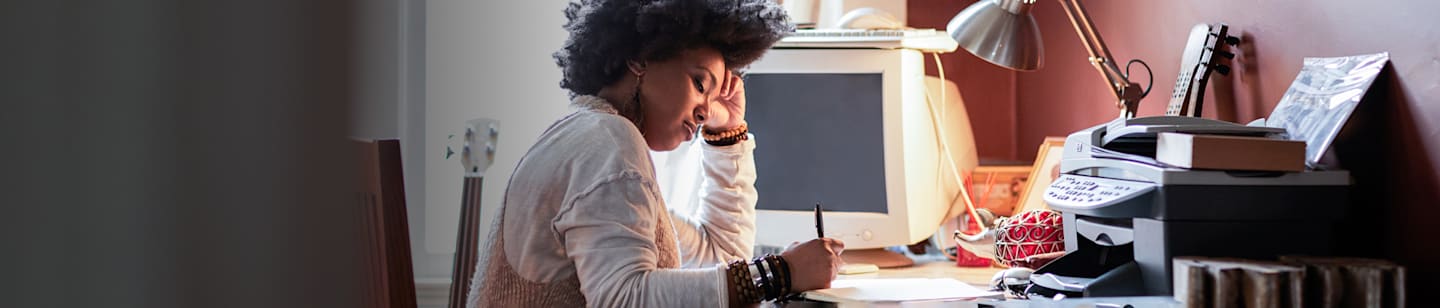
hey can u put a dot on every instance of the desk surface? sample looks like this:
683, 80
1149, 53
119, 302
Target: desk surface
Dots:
935, 266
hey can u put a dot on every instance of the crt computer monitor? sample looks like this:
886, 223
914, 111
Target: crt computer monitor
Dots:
851, 129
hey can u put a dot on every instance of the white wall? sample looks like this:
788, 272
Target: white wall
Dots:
487, 59
425, 68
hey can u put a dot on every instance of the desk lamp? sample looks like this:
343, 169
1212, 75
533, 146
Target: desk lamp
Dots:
1004, 33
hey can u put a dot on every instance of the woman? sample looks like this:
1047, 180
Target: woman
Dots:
584, 223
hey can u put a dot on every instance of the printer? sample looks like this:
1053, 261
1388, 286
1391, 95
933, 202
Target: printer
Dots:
1126, 215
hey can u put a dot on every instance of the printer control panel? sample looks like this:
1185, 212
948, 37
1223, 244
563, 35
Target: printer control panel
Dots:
1094, 195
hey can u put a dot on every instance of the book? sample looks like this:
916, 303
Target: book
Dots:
1191, 283
1295, 281
1194, 151
1352, 282
1231, 282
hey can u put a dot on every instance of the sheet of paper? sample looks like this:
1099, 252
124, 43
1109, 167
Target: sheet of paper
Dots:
897, 290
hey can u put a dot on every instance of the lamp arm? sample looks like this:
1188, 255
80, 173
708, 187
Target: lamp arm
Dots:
1127, 93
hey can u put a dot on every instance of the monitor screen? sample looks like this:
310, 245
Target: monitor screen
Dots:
819, 139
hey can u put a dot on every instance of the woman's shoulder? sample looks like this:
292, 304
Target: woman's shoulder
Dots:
609, 125
599, 131
594, 140
596, 116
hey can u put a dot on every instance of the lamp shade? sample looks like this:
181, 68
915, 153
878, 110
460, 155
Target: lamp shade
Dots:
1000, 31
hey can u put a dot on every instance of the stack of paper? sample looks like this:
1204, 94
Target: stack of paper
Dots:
898, 290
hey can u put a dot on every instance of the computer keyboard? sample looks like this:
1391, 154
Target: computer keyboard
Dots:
929, 40
858, 34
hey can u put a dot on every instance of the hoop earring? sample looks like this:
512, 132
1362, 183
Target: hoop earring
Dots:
636, 114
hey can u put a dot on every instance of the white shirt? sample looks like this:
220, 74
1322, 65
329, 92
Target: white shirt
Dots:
585, 203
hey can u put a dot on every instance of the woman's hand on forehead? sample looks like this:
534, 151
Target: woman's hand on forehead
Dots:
728, 109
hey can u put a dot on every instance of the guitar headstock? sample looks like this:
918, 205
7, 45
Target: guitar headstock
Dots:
478, 154
1207, 45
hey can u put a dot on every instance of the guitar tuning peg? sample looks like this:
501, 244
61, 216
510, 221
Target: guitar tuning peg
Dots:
1223, 69
1226, 54
1231, 40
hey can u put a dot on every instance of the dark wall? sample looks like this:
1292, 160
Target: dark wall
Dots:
1391, 146
177, 154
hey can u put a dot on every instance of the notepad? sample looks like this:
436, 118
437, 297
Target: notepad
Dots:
898, 290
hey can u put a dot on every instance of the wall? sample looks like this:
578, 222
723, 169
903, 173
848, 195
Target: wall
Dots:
390, 71
377, 70
988, 90
1391, 147
482, 59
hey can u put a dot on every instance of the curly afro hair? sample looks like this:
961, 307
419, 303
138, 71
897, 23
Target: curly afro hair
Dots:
605, 34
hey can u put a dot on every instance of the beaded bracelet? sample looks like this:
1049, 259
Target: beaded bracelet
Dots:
738, 130
728, 141
728, 137
739, 277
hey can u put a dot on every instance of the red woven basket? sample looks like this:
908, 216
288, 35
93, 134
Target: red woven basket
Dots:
1030, 233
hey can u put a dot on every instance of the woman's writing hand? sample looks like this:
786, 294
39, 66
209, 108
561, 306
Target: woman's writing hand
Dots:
814, 263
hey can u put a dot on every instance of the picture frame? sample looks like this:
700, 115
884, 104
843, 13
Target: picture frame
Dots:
1044, 171
998, 188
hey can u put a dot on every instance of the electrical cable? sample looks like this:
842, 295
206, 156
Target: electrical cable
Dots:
1148, 72
949, 155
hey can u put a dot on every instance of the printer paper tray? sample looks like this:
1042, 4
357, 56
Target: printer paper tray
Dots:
1148, 127
1136, 171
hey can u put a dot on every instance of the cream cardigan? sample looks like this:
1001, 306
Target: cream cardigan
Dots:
584, 220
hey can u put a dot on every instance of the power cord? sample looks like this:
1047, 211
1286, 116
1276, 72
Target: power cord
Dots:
935, 117
1149, 73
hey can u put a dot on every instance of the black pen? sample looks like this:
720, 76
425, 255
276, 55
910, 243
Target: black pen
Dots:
819, 222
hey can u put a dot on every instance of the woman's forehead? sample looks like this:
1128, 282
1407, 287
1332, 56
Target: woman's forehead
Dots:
704, 57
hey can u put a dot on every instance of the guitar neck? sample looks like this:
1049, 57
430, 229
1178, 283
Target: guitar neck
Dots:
467, 241
1194, 102
471, 190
